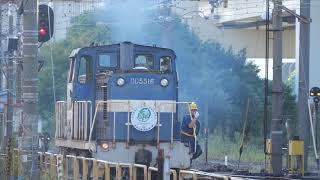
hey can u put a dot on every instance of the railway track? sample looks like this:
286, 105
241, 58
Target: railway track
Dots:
56, 166
255, 176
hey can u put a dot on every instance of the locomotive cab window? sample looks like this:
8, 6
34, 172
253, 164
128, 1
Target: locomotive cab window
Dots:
85, 69
108, 60
165, 64
143, 61
71, 71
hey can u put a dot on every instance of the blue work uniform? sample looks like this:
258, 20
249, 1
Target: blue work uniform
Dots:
188, 136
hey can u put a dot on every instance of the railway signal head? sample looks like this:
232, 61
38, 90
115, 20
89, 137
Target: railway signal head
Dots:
45, 23
315, 92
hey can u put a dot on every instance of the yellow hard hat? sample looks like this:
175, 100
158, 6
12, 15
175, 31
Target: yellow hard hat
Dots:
193, 106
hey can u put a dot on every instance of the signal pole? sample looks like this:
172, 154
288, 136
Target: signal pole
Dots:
304, 44
18, 66
206, 128
276, 130
29, 136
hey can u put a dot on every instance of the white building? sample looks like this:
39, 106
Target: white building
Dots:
241, 24
236, 23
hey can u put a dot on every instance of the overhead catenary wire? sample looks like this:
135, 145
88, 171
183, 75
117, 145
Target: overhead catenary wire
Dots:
248, 14
256, 2
266, 85
231, 15
51, 58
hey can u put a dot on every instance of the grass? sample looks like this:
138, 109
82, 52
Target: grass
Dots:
220, 146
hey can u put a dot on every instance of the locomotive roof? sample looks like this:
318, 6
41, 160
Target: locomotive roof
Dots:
76, 51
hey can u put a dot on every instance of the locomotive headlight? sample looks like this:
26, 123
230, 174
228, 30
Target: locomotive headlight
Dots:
120, 81
164, 82
104, 146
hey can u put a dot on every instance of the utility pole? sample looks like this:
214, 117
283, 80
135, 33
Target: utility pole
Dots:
19, 64
9, 72
1, 54
276, 123
9, 87
18, 109
304, 45
29, 125
1, 80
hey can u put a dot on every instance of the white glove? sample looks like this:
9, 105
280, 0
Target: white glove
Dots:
196, 115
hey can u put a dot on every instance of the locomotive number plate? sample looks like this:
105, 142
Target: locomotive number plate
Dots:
142, 81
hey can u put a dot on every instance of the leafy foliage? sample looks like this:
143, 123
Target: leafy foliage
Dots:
212, 74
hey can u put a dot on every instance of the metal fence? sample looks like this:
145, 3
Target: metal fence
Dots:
69, 167
56, 166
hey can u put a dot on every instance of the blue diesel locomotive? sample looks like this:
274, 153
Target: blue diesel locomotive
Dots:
122, 105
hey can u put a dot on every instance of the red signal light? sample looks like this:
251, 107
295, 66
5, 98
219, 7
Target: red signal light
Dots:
42, 32
45, 23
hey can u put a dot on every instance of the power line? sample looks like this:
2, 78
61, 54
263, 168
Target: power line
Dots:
51, 58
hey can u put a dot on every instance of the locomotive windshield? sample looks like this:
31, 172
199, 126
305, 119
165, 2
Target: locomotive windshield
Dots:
145, 61
86, 62
108, 60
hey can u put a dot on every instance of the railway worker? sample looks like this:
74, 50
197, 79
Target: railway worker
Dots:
189, 130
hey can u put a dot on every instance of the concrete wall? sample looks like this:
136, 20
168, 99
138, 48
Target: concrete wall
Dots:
231, 10
253, 39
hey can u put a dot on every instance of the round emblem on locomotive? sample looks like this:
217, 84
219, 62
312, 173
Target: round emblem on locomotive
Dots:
144, 119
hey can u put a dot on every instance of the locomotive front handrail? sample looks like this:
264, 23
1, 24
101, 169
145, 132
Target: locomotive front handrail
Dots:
60, 112
82, 119
84, 111
159, 108
127, 103
114, 117
79, 120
